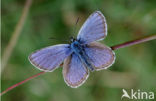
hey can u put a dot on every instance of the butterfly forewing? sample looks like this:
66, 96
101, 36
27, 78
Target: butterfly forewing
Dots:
100, 55
49, 58
95, 28
74, 72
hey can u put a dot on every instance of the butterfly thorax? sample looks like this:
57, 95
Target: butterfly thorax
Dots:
79, 50
77, 47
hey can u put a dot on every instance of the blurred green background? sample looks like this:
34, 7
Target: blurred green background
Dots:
135, 66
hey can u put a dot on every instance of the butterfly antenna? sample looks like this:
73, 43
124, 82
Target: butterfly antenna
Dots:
76, 24
77, 20
58, 39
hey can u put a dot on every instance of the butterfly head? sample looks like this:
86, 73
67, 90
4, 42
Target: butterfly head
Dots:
72, 39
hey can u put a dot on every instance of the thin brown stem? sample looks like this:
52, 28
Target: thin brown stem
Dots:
20, 83
126, 44
9, 48
133, 42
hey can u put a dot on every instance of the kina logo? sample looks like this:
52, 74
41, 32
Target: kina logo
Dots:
138, 94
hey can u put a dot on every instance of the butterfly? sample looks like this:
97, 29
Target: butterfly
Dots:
82, 55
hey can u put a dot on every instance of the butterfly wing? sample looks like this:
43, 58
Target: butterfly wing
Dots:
95, 28
100, 55
49, 58
74, 72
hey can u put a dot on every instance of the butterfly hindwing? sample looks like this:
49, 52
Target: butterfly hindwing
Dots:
49, 58
95, 28
100, 55
74, 72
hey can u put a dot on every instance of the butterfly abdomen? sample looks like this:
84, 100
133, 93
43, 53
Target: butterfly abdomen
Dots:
78, 49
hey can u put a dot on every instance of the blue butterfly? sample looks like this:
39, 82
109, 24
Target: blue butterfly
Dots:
82, 55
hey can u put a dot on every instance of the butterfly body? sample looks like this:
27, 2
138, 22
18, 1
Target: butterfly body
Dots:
79, 50
83, 53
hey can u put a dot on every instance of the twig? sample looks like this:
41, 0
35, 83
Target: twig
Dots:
9, 48
22, 82
126, 44
133, 42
